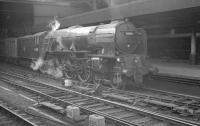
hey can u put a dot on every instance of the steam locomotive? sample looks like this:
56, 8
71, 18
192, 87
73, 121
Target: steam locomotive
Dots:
106, 53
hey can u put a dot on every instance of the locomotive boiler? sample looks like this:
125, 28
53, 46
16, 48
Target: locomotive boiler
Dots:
107, 53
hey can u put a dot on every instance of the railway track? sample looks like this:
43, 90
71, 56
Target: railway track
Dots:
114, 111
12, 116
178, 79
173, 104
178, 104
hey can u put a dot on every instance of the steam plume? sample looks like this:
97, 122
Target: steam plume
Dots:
37, 64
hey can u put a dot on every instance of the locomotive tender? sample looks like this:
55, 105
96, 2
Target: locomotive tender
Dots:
107, 53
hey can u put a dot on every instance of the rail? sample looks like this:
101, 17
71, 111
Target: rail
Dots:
108, 109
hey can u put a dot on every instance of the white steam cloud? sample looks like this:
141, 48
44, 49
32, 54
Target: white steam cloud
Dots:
37, 64
50, 68
56, 72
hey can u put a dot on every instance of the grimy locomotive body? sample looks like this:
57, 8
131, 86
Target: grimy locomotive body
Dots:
106, 53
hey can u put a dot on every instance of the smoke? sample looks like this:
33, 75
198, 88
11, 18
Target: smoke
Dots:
50, 67
56, 72
37, 64
54, 24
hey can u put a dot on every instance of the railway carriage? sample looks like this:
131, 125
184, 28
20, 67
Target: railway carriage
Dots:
2, 50
11, 50
26, 50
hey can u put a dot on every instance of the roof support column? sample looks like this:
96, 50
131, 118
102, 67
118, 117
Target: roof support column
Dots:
111, 3
94, 4
193, 50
